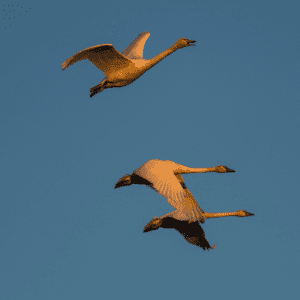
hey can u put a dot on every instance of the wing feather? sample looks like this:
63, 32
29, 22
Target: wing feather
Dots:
105, 57
191, 209
136, 48
192, 232
160, 174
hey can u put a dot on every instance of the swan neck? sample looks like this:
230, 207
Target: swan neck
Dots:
220, 215
162, 55
187, 170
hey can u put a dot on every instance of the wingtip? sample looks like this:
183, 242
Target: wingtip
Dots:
145, 33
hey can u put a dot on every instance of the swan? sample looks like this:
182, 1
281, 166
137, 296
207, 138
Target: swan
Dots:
165, 177
123, 68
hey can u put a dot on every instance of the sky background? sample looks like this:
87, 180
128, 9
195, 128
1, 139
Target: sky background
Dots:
66, 233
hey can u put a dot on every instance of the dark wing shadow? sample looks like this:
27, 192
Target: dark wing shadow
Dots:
192, 232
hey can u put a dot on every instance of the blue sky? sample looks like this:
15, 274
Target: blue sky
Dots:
233, 99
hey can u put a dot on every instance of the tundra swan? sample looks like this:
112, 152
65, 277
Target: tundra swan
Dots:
165, 177
122, 68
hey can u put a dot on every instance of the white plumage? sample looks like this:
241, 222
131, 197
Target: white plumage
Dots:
136, 48
165, 177
122, 69
161, 174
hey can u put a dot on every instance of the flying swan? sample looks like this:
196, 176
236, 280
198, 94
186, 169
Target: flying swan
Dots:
122, 68
165, 177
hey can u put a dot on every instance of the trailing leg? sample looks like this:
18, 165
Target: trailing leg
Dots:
97, 89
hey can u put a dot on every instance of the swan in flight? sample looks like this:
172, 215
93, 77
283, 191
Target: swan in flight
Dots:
122, 68
165, 177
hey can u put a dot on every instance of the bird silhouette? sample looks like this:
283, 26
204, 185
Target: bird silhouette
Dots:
123, 68
165, 177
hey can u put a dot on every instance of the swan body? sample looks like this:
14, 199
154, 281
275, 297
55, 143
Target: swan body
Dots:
121, 69
165, 177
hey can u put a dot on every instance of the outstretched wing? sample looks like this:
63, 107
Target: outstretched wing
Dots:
104, 57
192, 232
136, 48
191, 209
160, 174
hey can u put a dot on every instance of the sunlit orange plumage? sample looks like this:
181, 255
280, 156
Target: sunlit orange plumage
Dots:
123, 68
165, 177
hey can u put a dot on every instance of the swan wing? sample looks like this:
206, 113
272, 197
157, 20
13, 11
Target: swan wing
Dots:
193, 234
191, 209
136, 48
191, 231
105, 57
160, 174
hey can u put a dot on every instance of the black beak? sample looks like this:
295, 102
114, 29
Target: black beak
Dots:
229, 170
249, 214
191, 42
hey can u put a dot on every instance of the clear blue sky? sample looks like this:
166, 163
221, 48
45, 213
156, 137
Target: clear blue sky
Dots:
65, 233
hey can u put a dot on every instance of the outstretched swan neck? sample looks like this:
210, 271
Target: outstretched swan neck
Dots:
122, 69
155, 60
187, 170
239, 213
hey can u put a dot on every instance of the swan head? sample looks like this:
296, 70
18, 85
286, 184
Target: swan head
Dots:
243, 213
183, 42
124, 181
154, 224
223, 169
